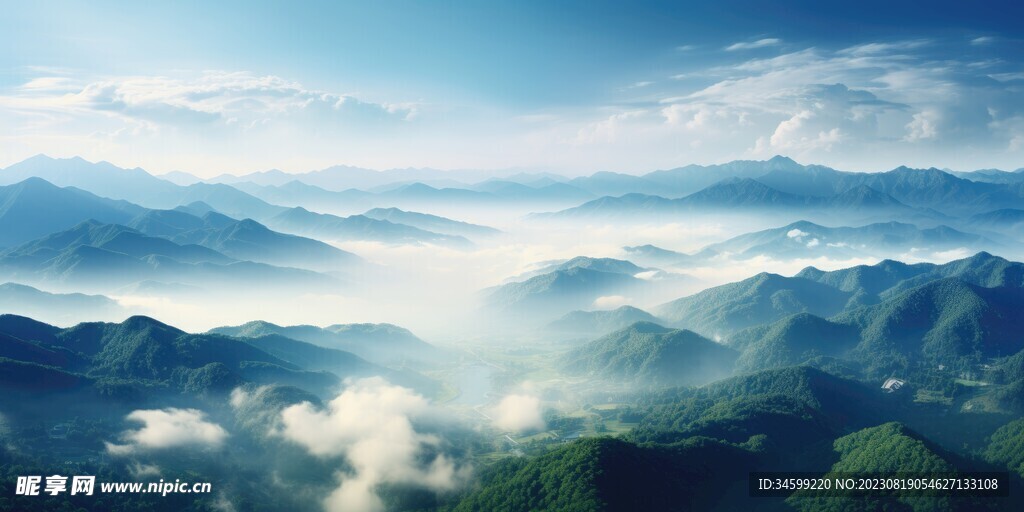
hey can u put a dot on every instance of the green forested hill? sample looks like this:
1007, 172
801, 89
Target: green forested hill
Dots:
380, 343
763, 298
790, 341
590, 322
651, 355
143, 353
605, 474
841, 403
1006, 447
766, 298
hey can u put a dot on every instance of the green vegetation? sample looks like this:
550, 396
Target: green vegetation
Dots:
652, 355
583, 323
609, 474
1006, 448
141, 353
887, 448
761, 299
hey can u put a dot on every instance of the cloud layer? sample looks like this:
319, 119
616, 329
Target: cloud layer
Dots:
867, 106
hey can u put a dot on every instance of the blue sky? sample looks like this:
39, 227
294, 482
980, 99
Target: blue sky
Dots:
569, 86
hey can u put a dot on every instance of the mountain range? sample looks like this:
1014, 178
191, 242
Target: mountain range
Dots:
241, 239
58, 308
142, 355
382, 343
749, 195
37, 180
325, 226
95, 254
805, 239
780, 183
556, 288
767, 297
136, 186
432, 223
34, 208
912, 194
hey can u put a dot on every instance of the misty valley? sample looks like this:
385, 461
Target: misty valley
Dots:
349, 339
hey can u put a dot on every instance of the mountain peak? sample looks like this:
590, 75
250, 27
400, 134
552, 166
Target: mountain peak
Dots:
262, 324
41, 157
645, 327
802, 224
142, 322
35, 183
198, 206
983, 256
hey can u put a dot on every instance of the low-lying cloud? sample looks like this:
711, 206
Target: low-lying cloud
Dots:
796, 233
519, 413
371, 425
168, 428
610, 302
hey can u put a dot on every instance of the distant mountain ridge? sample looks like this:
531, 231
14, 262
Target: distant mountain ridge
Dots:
142, 355
804, 239
108, 255
34, 208
767, 298
432, 223
776, 182
243, 239
149, 192
300, 221
135, 185
383, 343
546, 293
59, 308
736, 194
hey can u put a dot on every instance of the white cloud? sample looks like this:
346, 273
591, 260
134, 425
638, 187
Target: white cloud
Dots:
923, 126
796, 233
140, 471
371, 425
50, 84
610, 129
647, 275
518, 413
229, 98
610, 302
858, 104
884, 48
952, 254
168, 428
814, 242
982, 40
852, 108
1007, 77
760, 43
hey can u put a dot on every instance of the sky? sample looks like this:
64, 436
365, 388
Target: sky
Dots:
570, 86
